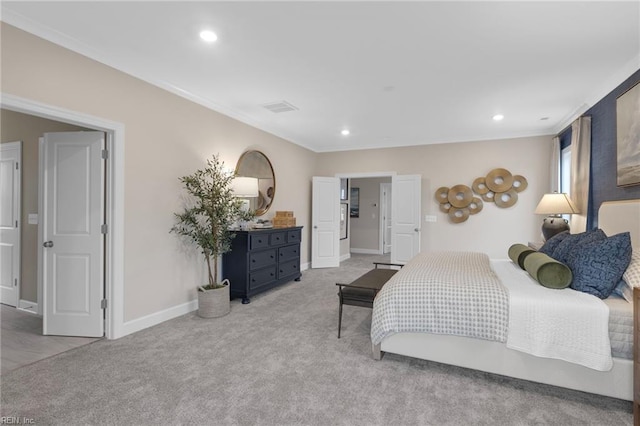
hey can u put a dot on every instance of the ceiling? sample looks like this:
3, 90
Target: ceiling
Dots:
393, 73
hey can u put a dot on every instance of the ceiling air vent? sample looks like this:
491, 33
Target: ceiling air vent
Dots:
279, 106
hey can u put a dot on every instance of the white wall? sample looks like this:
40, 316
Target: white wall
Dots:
166, 137
493, 230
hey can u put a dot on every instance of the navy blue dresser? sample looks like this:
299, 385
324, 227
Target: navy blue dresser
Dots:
262, 259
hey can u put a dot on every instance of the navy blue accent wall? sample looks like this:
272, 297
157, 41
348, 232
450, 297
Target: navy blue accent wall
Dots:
604, 151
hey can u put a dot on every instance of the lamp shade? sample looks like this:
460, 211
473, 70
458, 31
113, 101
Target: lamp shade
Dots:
555, 204
245, 187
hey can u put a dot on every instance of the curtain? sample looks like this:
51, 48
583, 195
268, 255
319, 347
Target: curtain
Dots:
580, 171
555, 165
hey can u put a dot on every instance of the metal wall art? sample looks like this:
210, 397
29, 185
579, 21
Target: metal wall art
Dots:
499, 187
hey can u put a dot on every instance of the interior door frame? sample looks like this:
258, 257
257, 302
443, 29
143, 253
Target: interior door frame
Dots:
382, 214
114, 194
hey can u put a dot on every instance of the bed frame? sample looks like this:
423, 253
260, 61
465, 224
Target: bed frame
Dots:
494, 357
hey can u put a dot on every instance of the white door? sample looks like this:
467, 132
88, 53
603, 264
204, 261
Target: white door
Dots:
72, 218
405, 217
385, 216
325, 221
10, 169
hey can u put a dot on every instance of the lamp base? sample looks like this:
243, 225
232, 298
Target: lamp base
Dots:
553, 225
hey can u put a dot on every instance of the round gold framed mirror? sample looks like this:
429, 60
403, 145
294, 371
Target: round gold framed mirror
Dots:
256, 165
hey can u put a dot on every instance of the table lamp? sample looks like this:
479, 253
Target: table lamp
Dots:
243, 188
554, 205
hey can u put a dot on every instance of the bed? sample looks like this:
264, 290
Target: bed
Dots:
487, 349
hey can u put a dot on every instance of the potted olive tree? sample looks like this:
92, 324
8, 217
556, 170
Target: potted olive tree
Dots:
211, 211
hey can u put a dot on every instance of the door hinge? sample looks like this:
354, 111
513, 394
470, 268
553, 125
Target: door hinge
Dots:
105, 154
15, 282
103, 304
17, 166
104, 228
16, 223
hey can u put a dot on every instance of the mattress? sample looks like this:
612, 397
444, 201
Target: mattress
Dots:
620, 327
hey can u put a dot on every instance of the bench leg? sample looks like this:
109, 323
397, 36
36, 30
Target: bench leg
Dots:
339, 318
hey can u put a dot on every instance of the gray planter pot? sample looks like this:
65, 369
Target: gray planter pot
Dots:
214, 303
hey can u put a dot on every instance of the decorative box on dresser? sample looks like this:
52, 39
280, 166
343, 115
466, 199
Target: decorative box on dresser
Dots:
636, 356
262, 259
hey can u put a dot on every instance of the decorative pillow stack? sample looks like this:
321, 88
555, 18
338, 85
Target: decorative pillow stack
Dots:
589, 261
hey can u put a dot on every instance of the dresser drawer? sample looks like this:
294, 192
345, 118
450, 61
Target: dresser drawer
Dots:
278, 238
261, 259
289, 253
258, 241
288, 268
262, 277
294, 236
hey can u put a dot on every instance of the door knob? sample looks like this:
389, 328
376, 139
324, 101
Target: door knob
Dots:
417, 229
315, 227
48, 244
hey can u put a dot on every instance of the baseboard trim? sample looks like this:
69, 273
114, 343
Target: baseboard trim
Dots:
28, 306
345, 257
156, 318
304, 266
365, 251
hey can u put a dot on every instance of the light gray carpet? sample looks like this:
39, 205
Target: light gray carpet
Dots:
277, 361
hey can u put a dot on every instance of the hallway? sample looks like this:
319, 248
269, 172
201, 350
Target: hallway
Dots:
22, 342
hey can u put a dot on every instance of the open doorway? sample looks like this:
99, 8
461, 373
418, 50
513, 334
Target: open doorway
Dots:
370, 226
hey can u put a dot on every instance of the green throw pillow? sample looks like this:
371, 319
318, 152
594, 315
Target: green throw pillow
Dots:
547, 271
518, 252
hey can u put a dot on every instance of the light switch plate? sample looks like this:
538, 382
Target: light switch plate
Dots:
430, 218
32, 219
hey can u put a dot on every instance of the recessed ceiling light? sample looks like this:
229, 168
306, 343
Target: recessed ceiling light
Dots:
345, 132
498, 117
208, 36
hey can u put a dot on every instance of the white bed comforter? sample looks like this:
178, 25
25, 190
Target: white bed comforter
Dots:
560, 324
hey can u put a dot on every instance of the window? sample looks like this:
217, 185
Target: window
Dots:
565, 170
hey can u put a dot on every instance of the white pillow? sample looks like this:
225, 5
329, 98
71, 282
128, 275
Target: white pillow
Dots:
632, 274
630, 278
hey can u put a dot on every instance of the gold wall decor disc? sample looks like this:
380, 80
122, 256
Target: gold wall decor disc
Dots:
506, 199
479, 186
458, 215
475, 206
519, 183
442, 194
460, 196
499, 180
445, 207
488, 197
